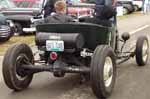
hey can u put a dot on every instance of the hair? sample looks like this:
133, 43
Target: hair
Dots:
60, 6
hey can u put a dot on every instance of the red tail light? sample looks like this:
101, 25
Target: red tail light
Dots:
53, 55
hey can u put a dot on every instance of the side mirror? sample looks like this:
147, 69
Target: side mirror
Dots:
125, 36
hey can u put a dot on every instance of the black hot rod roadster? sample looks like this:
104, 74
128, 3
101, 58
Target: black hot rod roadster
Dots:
86, 48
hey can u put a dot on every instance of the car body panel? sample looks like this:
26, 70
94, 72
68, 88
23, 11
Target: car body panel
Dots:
100, 36
21, 11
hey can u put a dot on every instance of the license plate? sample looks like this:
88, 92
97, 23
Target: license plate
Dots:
53, 45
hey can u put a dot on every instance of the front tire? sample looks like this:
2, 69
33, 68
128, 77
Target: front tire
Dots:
14, 76
103, 71
142, 50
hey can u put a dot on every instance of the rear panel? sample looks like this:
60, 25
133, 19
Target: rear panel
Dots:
92, 33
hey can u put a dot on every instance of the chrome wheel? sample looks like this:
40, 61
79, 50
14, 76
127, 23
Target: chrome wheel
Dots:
145, 50
108, 71
142, 51
103, 71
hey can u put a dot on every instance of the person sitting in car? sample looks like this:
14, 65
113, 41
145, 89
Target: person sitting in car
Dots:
60, 15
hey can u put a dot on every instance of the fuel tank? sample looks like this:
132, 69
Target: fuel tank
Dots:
71, 40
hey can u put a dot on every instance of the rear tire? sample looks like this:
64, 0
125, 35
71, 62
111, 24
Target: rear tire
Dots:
14, 76
142, 50
103, 71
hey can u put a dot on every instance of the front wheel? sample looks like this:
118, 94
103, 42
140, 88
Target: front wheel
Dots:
142, 50
14, 76
103, 71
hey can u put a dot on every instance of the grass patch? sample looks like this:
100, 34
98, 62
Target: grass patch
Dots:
16, 39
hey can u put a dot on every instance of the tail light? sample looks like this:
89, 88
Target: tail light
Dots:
53, 55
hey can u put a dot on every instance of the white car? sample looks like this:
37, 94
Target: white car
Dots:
136, 3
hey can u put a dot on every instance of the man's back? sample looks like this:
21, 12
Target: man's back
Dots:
58, 18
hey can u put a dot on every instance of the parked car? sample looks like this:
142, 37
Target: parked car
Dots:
128, 6
24, 10
19, 16
137, 4
27, 3
75, 11
80, 9
5, 30
4, 4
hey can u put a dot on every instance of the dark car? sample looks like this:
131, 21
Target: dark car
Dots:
5, 30
19, 16
21, 12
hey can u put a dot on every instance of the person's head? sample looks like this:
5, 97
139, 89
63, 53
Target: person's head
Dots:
60, 6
